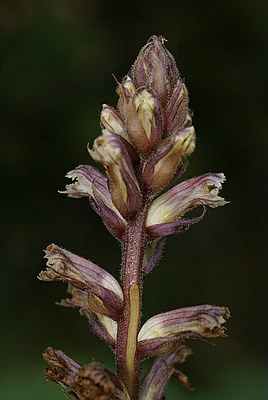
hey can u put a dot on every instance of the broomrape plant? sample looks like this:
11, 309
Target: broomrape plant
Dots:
144, 147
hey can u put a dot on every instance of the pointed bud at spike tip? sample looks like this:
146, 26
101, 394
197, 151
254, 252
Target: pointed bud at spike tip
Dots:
155, 69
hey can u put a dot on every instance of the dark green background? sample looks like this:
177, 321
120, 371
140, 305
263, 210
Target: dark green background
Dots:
57, 61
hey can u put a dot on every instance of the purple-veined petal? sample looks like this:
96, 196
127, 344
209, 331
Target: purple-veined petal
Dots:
111, 217
172, 205
159, 171
89, 182
155, 69
173, 228
102, 326
83, 177
156, 379
177, 114
162, 332
152, 255
113, 122
103, 291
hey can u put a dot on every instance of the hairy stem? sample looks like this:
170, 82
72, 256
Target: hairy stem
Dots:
128, 364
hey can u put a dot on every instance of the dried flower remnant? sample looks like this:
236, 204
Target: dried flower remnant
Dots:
144, 147
92, 381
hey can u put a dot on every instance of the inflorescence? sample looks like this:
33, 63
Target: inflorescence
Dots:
143, 148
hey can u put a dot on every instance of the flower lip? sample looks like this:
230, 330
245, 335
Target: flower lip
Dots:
161, 333
204, 320
104, 294
172, 205
89, 182
163, 368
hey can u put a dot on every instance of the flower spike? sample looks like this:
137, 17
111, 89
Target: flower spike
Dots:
144, 147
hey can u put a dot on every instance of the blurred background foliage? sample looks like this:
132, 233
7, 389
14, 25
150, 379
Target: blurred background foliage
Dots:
58, 57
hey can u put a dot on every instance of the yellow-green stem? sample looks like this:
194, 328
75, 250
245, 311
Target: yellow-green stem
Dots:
132, 334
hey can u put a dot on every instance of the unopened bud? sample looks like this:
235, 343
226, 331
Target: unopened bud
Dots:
159, 171
155, 69
129, 86
145, 104
110, 151
140, 111
176, 113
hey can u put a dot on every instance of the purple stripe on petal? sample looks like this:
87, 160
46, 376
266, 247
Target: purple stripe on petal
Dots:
172, 205
89, 182
163, 368
104, 293
203, 321
161, 168
103, 327
155, 347
83, 177
109, 150
92, 381
173, 228
152, 256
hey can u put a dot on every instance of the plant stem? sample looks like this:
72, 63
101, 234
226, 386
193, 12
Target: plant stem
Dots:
128, 363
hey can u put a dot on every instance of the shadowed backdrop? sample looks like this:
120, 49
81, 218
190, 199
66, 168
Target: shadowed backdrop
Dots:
56, 71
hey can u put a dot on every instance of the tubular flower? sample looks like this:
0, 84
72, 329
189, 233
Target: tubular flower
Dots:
144, 147
89, 182
164, 215
104, 293
110, 151
159, 171
112, 121
140, 110
92, 381
163, 368
161, 333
